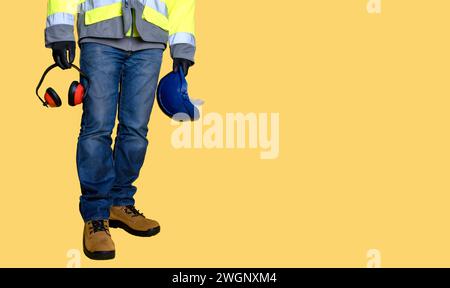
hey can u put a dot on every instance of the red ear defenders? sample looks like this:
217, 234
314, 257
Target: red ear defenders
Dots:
76, 93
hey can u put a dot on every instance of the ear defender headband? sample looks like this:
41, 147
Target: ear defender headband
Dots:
76, 94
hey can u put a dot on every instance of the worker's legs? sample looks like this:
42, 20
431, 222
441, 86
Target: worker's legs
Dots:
103, 65
139, 81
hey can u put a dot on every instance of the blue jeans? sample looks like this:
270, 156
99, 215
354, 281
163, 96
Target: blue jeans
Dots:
122, 83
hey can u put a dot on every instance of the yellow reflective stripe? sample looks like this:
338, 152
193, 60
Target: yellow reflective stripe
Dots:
103, 13
62, 6
153, 16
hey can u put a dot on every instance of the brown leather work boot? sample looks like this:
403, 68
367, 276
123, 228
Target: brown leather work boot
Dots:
97, 242
132, 221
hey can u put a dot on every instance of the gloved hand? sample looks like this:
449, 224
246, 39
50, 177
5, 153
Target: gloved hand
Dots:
184, 63
60, 50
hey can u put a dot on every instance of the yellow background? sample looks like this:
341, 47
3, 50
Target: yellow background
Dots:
364, 146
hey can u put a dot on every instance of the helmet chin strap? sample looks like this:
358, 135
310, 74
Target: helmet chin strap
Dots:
197, 102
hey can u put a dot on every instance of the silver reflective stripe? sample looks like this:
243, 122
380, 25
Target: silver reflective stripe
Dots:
182, 38
92, 4
156, 5
60, 18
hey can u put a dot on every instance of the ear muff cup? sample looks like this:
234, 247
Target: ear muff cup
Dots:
76, 93
52, 98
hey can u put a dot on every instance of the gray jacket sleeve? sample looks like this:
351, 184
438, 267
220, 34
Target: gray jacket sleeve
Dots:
182, 50
58, 33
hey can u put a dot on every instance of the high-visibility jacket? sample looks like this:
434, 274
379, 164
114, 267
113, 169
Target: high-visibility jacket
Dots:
156, 21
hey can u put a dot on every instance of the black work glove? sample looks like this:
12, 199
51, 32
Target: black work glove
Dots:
184, 63
60, 50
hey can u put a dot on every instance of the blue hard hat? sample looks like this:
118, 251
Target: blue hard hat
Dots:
173, 99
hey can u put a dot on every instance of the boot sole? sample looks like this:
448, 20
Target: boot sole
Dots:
121, 225
99, 255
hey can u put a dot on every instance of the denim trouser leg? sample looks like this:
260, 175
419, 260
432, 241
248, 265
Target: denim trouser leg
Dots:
139, 81
98, 170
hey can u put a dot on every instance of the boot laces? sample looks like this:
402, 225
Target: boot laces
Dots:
98, 226
131, 210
